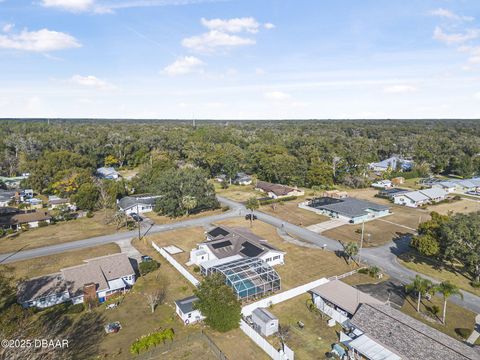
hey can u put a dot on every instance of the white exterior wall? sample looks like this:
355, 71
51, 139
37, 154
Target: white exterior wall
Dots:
77, 300
129, 279
271, 255
141, 209
176, 265
403, 200
189, 318
328, 310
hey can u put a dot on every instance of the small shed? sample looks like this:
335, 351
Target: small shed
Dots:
264, 322
184, 308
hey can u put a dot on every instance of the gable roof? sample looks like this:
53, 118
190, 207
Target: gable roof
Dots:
128, 202
408, 337
434, 193
350, 207
392, 163
41, 287
107, 171
344, 295
277, 189
99, 271
264, 315
415, 196
31, 216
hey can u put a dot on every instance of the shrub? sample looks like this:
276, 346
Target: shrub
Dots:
363, 271
90, 214
225, 208
280, 200
462, 332
10, 231
75, 309
42, 223
2, 232
196, 269
148, 266
434, 309
147, 341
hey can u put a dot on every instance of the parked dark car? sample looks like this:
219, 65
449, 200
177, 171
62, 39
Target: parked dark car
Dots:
146, 258
136, 217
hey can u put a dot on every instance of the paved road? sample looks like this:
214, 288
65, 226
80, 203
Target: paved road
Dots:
384, 256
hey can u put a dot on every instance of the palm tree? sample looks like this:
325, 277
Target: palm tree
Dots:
421, 286
350, 249
447, 289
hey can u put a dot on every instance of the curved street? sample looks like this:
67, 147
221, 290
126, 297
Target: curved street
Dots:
385, 256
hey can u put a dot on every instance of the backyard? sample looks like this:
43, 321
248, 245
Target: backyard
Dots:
237, 192
289, 211
311, 342
61, 232
302, 264
160, 219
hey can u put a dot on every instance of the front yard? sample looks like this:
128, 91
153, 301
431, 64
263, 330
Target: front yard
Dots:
61, 232
239, 193
53, 263
290, 212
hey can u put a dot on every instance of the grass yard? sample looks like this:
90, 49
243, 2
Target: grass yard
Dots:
302, 264
430, 267
53, 263
311, 342
238, 192
289, 211
361, 279
160, 220
457, 317
237, 346
62, 232
457, 206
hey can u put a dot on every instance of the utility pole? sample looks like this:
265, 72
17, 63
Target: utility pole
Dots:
138, 224
361, 243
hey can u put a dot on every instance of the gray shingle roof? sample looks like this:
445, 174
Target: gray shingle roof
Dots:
129, 201
350, 207
408, 337
186, 304
264, 315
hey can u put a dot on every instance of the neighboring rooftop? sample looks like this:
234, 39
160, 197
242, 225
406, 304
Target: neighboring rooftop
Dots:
130, 201
41, 287
277, 189
344, 295
350, 207
186, 304
393, 163
408, 337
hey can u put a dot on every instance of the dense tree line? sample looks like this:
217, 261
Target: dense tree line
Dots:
303, 153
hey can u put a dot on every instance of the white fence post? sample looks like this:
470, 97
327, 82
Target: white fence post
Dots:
176, 264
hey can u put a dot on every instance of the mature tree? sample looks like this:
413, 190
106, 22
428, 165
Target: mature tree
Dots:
426, 244
320, 174
283, 334
421, 287
189, 203
111, 160
447, 289
155, 297
351, 250
175, 185
86, 197
252, 204
218, 303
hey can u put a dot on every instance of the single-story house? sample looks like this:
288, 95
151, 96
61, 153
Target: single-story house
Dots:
339, 300
264, 322
14, 181
467, 185
336, 194
382, 332
391, 193
55, 202
31, 218
137, 203
382, 184
448, 186
393, 163
107, 173
184, 309
34, 203
242, 179
350, 209
276, 191
225, 243
420, 197
99, 277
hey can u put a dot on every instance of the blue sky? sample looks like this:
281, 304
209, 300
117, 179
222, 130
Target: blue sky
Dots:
240, 59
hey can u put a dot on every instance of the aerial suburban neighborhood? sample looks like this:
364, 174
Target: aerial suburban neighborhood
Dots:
239, 180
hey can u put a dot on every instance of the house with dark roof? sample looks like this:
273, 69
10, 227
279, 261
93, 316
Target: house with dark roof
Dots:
382, 332
276, 191
186, 312
137, 203
349, 209
225, 244
13, 218
101, 277
391, 193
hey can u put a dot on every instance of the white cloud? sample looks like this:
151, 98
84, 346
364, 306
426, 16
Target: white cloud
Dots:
69, 5
214, 39
269, 26
91, 82
455, 38
184, 65
276, 95
473, 51
7, 27
40, 41
477, 95
444, 13
400, 89
235, 25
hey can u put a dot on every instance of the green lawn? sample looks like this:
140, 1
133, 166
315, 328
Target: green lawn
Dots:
424, 265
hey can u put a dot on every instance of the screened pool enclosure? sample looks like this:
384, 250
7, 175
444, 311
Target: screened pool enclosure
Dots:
248, 277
